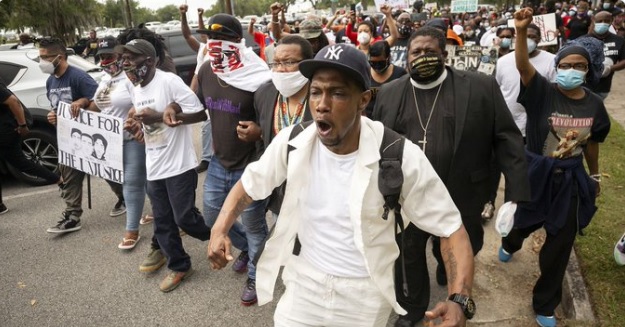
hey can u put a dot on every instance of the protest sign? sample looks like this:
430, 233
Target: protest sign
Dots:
548, 29
395, 4
92, 143
462, 6
472, 58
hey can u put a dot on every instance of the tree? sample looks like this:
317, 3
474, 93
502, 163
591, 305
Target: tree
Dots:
167, 13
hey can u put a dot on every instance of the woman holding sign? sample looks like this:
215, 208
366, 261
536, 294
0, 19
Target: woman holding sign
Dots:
113, 98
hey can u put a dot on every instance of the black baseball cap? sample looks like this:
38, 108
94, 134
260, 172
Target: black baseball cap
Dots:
343, 57
141, 47
107, 45
438, 23
223, 25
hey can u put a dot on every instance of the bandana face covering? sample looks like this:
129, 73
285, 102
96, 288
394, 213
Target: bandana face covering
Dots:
427, 68
224, 56
112, 67
136, 73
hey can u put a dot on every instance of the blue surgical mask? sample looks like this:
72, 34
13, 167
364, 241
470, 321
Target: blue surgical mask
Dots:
601, 28
572, 13
606, 5
569, 79
505, 42
531, 45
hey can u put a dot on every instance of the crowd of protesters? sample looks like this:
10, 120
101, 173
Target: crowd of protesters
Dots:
538, 121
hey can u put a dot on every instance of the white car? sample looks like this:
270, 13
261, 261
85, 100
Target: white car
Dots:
19, 69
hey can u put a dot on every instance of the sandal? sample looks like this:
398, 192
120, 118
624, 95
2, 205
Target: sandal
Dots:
129, 243
146, 220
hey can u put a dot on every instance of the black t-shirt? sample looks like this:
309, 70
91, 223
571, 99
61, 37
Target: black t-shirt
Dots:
614, 48
558, 126
8, 124
399, 53
578, 27
227, 106
397, 73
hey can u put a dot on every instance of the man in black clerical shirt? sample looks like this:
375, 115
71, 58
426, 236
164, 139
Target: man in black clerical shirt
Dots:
460, 120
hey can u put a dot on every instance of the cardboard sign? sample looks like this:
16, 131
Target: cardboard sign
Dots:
473, 58
462, 6
395, 4
92, 143
548, 28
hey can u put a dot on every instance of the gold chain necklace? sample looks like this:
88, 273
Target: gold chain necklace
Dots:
425, 128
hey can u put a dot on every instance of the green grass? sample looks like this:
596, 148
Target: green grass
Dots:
605, 280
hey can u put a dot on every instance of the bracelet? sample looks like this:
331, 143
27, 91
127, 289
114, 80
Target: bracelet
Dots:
596, 177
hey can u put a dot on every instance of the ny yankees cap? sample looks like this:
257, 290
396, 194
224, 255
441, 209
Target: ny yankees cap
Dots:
141, 47
343, 57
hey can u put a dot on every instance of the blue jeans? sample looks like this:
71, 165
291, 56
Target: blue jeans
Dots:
173, 206
134, 183
248, 236
207, 141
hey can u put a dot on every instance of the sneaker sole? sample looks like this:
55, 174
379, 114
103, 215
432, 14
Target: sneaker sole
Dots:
4, 211
153, 268
174, 286
63, 231
117, 213
249, 303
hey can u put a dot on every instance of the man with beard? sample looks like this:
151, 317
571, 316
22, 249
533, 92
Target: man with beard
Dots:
343, 273
226, 86
163, 106
460, 120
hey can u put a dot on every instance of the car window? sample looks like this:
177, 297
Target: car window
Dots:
8, 72
178, 47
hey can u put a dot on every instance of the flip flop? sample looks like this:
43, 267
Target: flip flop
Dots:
128, 243
146, 219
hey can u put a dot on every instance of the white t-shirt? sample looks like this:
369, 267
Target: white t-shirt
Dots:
169, 150
509, 81
113, 96
201, 57
326, 231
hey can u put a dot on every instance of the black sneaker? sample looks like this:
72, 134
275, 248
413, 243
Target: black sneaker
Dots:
119, 208
65, 225
3, 208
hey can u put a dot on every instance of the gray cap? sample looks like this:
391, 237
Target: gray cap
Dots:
141, 47
343, 57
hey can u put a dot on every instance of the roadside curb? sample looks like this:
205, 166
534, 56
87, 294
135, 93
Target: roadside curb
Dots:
575, 299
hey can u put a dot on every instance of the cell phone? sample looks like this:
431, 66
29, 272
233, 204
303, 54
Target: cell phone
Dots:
352, 7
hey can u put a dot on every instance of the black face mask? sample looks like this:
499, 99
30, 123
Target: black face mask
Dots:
379, 66
405, 30
427, 68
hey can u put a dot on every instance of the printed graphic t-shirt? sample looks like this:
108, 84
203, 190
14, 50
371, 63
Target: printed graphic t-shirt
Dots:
73, 85
558, 126
168, 149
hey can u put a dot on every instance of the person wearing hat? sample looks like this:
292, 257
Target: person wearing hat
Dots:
310, 29
614, 51
565, 124
113, 98
333, 204
460, 119
399, 49
227, 83
163, 107
71, 85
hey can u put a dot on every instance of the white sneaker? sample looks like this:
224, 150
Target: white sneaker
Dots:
619, 251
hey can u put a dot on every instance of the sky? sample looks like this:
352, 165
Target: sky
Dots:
193, 5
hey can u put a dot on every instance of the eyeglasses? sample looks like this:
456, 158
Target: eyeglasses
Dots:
578, 66
285, 64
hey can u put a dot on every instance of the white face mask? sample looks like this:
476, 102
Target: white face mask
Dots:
531, 45
364, 38
288, 83
47, 67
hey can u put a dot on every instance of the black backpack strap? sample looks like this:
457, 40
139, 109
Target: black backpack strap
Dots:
390, 182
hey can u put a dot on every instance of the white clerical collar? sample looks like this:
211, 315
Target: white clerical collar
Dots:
430, 85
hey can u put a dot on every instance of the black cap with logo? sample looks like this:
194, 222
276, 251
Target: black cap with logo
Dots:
343, 57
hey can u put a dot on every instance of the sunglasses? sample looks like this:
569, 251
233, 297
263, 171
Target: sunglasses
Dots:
221, 29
